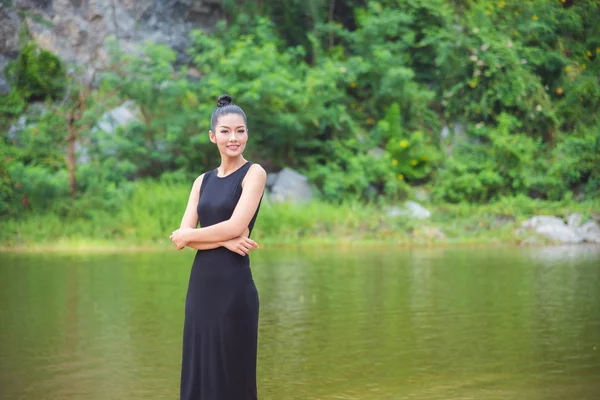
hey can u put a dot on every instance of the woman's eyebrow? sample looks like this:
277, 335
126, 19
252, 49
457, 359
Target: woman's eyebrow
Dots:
223, 126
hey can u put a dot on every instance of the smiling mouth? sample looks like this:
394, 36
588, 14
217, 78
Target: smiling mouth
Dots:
233, 146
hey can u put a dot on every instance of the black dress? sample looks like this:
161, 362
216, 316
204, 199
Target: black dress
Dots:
221, 309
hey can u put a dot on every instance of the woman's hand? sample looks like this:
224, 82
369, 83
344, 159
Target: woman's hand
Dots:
241, 245
178, 237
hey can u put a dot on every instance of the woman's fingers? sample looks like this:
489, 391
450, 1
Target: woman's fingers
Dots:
251, 243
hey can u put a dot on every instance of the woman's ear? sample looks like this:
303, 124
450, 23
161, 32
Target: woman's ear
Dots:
211, 136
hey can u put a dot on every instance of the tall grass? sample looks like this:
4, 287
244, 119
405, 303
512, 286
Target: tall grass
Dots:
152, 210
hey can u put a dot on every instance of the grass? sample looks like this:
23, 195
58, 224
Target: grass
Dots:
152, 210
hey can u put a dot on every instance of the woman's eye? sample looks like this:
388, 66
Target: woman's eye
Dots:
223, 131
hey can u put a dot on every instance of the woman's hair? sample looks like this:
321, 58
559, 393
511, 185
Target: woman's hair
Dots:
224, 107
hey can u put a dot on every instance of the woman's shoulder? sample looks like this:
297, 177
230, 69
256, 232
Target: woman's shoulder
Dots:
256, 169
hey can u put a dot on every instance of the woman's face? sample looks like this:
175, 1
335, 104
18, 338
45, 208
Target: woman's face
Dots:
230, 135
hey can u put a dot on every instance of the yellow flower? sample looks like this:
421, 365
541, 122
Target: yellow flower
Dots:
403, 143
534, 18
394, 162
559, 91
424, 158
413, 162
562, 1
568, 68
501, 4
400, 176
473, 84
589, 53
352, 84
597, 49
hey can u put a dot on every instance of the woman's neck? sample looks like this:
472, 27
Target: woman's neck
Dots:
229, 165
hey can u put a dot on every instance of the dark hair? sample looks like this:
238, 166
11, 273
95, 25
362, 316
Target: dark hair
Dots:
224, 107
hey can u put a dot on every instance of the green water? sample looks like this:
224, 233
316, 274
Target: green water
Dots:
501, 323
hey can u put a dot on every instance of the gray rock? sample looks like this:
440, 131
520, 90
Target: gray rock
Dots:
78, 27
376, 152
16, 128
590, 232
290, 186
120, 116
574, 220
415, 210
4, 85
541, 220
9, 32
271, 179
552, 228
410, 209
558, 233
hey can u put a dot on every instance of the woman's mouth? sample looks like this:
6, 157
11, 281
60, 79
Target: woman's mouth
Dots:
233, 146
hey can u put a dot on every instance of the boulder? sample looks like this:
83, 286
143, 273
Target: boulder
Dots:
541, 220
78, 27
120, 116
574, 220
552, 228
590, 232
410, 209
290, 186
558, 233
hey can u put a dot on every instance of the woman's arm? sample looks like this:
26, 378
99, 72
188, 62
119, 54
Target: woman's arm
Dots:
190, 217
241, 245
252, 191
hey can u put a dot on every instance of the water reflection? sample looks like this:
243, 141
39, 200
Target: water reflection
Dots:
335, 323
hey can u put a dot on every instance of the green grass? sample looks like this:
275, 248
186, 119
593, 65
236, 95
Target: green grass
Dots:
153, 210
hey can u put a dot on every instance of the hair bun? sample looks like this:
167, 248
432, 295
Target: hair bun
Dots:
224, 100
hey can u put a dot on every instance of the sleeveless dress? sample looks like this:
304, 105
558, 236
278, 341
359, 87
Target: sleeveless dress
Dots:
221, 309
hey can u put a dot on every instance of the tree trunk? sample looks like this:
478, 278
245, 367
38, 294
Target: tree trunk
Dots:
71, 158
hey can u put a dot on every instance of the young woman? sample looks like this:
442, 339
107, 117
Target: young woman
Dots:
221, 307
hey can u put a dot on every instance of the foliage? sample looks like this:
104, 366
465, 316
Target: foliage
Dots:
360, 96
36, 73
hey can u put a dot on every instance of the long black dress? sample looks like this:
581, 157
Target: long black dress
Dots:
221, 307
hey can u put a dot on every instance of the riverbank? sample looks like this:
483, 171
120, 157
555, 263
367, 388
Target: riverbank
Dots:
145, 223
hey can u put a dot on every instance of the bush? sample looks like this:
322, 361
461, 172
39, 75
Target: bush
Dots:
36, 73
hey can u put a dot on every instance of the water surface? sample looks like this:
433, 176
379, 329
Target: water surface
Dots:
365, 323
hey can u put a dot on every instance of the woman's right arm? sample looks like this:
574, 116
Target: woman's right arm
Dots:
241, 245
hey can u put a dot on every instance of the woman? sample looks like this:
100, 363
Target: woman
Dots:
221, 308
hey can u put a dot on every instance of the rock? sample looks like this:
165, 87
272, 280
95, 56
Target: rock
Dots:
535, 222
416, 210
590, 232
291, 186
552, 228
102, 134
4, 85
557, 233
120, 116
16, 128
410, 209
574, 220
9, 32
271, 179
78, 27
376, 152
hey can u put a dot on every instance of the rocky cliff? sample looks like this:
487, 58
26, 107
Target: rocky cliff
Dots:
73, 29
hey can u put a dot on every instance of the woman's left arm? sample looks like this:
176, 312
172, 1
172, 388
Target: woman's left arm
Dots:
252, 191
